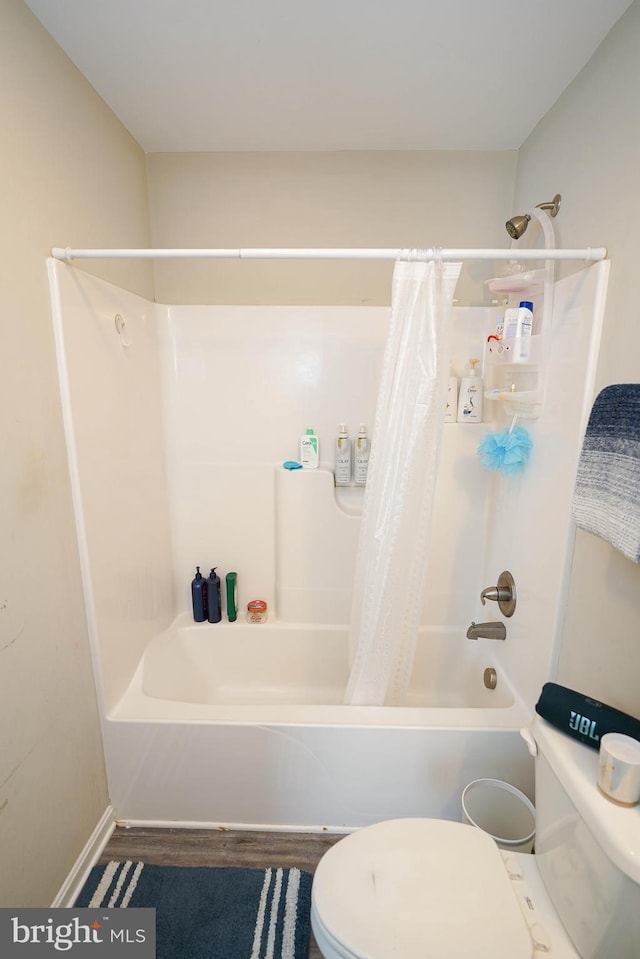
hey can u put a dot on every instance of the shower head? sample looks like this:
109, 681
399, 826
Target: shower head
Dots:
518, 224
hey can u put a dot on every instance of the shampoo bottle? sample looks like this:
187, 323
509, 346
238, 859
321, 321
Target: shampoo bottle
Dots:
199, 596
361, 465
518, 325
525, 328
213, 595
309, 449
343, 457
451, 410
470, 401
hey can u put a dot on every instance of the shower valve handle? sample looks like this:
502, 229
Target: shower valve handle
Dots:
504, 594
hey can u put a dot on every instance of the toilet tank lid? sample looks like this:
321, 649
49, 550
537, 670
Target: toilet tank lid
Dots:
616, 828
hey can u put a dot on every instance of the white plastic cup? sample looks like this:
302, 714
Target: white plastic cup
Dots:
501, 810
619, 769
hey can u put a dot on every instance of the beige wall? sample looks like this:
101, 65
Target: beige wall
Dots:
588, 149
346, 199
70, 175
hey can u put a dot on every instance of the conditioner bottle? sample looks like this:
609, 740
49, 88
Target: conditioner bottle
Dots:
470, 399
361, 465
213, 596
343, 457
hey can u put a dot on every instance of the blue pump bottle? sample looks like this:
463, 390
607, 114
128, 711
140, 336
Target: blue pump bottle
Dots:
199, 596
213, 596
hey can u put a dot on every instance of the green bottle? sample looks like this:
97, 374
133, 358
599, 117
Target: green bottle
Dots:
232, 596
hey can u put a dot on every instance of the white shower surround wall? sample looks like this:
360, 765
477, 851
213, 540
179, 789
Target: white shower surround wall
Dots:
176, 444
241, 384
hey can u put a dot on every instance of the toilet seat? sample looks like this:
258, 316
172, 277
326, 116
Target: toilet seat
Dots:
414, 888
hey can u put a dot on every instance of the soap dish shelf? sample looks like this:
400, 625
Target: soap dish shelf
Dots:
525, 403
517, 282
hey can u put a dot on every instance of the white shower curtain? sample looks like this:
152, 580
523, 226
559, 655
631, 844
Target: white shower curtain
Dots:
391, 563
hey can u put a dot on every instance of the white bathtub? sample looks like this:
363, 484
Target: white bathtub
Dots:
243, 724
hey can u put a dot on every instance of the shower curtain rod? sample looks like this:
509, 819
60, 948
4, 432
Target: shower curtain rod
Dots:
589, 254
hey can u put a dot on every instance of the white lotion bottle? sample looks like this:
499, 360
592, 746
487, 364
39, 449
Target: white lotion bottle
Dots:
471, 396
309, 452
343, 457
451, 410
361, 464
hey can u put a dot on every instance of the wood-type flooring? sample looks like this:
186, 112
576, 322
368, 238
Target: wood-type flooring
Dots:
221, 847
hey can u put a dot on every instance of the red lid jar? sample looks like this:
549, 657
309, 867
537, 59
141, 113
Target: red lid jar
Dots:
257, 611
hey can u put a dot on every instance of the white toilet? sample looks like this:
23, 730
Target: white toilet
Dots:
434, 889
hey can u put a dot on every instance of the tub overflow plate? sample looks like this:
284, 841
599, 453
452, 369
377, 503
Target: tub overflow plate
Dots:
490, 677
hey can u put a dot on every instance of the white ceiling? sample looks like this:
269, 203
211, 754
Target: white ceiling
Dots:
203, 75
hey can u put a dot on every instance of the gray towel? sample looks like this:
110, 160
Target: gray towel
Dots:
606, 500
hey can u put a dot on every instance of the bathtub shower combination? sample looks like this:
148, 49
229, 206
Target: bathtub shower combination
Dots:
178, 420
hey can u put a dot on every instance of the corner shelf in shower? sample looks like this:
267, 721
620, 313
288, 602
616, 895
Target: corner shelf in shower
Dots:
517, 385
526, 403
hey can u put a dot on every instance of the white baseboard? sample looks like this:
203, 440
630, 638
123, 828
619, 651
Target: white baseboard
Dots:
74, 882
224, 826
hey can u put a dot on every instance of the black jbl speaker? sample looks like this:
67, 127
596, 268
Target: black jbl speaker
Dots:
581, 717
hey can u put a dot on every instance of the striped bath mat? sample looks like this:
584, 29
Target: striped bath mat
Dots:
207, 913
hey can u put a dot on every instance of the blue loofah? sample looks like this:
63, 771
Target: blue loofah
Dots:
507, 451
